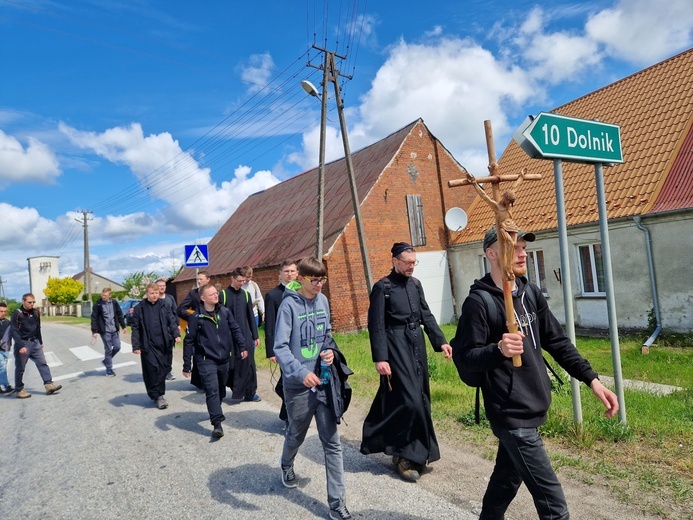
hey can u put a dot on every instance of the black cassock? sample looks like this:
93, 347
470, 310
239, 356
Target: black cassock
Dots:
243, 377
399, 422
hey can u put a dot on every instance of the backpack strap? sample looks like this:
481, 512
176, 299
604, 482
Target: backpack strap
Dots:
531, 293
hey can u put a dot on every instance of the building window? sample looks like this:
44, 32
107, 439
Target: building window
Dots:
535, 270
591, 269
416, 220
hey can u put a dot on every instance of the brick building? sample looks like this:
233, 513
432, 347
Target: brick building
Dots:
402, 188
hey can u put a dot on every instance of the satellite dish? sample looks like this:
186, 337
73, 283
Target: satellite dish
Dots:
456, 219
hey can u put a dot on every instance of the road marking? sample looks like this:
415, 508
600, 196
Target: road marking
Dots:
85, 353
52, 360
79, 374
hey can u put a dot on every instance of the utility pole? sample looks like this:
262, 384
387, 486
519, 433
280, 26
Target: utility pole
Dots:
87, 268
331, 74
2, 291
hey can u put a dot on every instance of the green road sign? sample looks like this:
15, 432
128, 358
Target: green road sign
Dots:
559, 137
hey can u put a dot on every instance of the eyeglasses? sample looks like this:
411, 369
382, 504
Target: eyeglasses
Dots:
316, 281
409, 264
31, 302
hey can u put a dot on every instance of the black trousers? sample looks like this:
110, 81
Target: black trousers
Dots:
522, 458
213, 377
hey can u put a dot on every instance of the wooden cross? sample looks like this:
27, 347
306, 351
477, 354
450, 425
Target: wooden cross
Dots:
506, 229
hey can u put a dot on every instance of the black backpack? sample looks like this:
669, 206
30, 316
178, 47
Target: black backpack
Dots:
474, 378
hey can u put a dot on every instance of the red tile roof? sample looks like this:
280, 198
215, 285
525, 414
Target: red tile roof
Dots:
654, 109
281, 222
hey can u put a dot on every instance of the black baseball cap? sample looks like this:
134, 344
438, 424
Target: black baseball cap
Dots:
490, 237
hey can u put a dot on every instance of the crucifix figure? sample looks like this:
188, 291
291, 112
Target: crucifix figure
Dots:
507, 230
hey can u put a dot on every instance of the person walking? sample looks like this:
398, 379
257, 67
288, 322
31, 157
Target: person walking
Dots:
5, 386
301, 344
273, 298
399, 422
212, 333
154, 331
106, 320
243, 378
516, 400
25, 325
170, 304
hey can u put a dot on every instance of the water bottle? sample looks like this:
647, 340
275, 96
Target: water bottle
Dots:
324, 373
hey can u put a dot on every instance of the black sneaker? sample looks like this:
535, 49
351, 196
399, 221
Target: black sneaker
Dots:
110, 372
341, 513
289, 477
218, 432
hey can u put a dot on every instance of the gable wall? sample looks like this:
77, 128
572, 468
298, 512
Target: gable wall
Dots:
385, 221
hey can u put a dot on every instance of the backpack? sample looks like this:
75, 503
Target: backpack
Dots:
6, 341
474, 378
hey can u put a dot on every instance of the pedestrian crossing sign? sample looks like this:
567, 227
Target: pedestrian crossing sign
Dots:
196, 255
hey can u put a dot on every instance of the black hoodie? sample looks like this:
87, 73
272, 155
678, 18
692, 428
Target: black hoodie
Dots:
212, 335
515, 397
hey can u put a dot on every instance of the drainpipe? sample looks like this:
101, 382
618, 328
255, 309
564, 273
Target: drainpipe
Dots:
653, 283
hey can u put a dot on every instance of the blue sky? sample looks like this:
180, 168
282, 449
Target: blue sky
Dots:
161, 117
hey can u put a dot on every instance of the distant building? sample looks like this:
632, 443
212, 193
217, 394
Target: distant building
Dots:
40, 269
98, 283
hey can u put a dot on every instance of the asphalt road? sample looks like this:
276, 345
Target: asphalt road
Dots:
99, 449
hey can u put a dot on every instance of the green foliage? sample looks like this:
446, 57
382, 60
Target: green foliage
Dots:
62, 291
136, 283
12, 305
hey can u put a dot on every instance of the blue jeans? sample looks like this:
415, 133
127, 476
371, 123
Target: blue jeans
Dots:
522, 458
302, 406
111, 346
4, 382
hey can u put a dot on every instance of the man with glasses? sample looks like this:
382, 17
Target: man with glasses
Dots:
243, 377
399, 422
28, 344
212, 332
302, 341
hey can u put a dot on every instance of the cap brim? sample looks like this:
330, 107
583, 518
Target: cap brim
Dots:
527, 237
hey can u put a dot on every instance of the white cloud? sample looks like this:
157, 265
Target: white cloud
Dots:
36, 163
258, 72
643, 31
172, 175
453, 84
309, 156
557, 56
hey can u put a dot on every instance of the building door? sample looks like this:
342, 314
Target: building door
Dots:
434, 273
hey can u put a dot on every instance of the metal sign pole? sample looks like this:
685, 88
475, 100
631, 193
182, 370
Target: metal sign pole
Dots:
566, 280
609, 283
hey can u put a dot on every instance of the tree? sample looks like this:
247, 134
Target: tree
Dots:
61, 291
136, 283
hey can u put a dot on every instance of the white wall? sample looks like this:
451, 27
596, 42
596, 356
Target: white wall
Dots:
672, 244
40, 269
434, 273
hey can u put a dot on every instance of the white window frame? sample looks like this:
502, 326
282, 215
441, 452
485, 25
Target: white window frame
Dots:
598, 291
534, 270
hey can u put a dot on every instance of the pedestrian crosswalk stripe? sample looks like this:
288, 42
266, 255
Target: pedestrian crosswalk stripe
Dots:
84, 373
85, 353
52, 360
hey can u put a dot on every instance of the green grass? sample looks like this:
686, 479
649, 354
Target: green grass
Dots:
69, 320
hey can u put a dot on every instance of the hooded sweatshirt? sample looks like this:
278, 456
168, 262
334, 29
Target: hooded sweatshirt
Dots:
516, 397
301, 330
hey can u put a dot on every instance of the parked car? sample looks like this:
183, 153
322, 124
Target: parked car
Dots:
128, 308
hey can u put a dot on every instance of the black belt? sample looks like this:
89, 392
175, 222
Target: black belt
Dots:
410, 326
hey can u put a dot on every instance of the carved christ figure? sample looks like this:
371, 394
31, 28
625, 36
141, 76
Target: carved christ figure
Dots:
507, 229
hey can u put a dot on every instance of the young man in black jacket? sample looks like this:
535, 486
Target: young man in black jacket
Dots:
107, 319
210, 339
25, 325
517, 399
